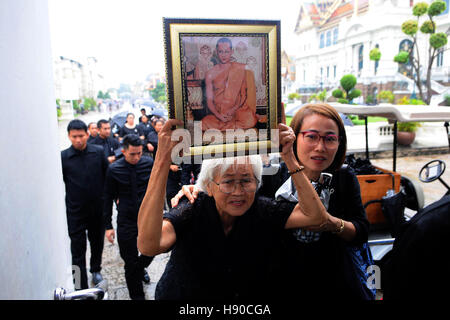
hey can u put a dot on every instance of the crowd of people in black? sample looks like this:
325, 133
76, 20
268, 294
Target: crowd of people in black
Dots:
101, 169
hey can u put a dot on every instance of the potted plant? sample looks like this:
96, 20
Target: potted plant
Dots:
406, 132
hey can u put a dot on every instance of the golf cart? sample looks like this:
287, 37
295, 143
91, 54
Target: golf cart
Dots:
376, 188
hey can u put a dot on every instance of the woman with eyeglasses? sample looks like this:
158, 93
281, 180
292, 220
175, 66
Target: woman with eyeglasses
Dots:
222, 243
315, 261
319, 256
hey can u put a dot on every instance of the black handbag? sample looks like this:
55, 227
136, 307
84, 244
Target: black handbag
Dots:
393, 207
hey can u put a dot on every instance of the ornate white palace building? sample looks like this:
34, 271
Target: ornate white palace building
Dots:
336, 36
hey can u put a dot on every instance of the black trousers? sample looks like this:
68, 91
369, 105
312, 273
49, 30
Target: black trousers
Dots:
135, 263
86, 223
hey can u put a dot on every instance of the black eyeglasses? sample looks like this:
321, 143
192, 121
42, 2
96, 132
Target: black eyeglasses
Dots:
312, 138
229, 185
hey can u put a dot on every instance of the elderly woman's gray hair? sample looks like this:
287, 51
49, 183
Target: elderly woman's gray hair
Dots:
212, 167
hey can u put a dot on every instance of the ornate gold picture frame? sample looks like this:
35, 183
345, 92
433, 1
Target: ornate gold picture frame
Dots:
223, 82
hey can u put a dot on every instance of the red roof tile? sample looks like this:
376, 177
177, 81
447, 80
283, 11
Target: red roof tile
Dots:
312, 9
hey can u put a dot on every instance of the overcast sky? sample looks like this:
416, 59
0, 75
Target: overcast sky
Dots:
126, 35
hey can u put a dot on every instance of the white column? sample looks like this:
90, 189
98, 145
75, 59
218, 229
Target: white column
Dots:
34, 244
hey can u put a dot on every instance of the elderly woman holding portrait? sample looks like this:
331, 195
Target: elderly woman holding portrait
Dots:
221, 244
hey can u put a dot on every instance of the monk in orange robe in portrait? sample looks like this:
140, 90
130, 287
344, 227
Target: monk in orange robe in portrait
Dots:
230, 93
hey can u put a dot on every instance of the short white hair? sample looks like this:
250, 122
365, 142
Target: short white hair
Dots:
212, 167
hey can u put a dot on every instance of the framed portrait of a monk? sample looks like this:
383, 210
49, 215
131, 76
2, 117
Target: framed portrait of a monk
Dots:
223, 82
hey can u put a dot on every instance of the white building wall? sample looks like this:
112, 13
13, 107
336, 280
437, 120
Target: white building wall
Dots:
34, 245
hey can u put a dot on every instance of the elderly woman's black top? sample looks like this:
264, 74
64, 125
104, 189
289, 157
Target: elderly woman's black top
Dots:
206, 264
322, 269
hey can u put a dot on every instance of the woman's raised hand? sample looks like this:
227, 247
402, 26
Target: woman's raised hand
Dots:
165, 143
287, 138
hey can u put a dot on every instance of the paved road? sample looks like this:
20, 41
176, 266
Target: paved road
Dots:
113, 271
113, 265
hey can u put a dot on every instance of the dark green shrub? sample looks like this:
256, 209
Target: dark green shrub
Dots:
436, 8
428, 27
386, 96
420, 9
370, 99
337, 93
355, 93
375, 54
410, 27
348, 82
438, 40
402, 57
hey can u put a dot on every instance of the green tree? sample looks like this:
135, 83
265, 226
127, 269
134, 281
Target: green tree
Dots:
100, 95
436, 41
89, 104
76, 106
348, 83
159, 93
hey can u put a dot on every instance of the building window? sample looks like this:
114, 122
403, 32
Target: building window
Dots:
322, 41
304, 75
360, 58
328, 38
335, 35
321, 78
440, 58
334, 72
328, 72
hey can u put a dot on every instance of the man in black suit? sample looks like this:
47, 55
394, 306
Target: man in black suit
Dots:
93, 131
84, 166
111, 146
126, 180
